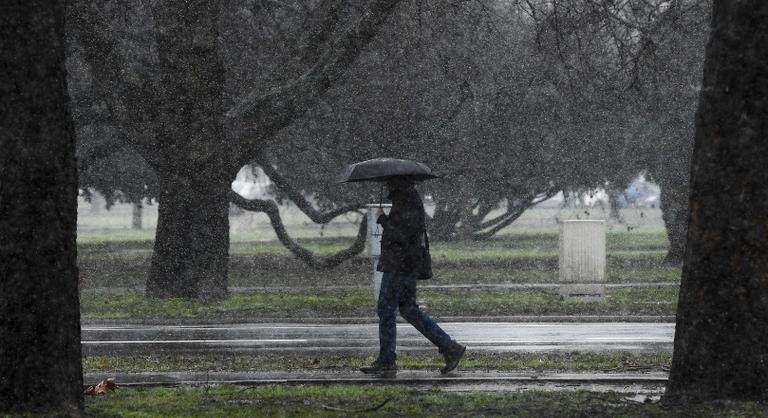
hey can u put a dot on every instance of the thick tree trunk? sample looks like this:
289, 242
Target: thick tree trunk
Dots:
40, 358
191, 253
674, 187
192, 238
721, 338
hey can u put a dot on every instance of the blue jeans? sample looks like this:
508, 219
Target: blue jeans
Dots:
399, 291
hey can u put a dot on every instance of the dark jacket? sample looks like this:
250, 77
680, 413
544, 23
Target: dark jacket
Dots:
403, 238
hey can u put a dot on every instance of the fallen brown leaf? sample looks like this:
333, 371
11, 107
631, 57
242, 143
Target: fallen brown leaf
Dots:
104, 386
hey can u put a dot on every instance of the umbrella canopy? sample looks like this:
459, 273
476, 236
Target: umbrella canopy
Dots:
383, 169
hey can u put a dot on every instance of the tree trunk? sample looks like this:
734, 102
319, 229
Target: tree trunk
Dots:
192, 238
136, 215
40, 358
191, 253
614, 205
451, 205
674, 210
442, 226
721, 343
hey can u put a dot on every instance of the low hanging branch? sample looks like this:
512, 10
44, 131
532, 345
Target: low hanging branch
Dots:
502, 221
483, 208
319, 263
299, 200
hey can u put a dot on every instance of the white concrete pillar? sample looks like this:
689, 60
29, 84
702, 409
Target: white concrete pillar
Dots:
374, 243
582, 260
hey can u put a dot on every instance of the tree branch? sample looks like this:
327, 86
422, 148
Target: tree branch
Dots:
510, 216
299, 199
491, 222
319, 263
259, 115
127, 105
319, 27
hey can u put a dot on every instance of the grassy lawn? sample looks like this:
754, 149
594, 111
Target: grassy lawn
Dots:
490, 275
612, 362
129, 269
114, 264
523, 242
385, 401
123, 272
128, 304
123, 258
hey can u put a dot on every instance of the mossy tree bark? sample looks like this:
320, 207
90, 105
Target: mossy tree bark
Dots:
40, 358
721, 343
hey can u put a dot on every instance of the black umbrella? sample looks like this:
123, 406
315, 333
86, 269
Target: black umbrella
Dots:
383, 169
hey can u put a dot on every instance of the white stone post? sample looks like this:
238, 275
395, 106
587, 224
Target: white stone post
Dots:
582, 260
374, 244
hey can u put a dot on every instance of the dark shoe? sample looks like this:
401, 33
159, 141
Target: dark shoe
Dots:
452, 356
381, 370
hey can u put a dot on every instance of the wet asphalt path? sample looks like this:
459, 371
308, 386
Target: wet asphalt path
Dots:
636, 337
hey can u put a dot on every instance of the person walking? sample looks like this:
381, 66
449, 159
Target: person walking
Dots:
404, 258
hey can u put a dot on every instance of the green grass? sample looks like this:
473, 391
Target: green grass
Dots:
532, 302
523, 242
547, 275
123, 236
133, 275
457, 252
575, 361
628, 297
120, 235
132, 305
319, 248
449, 253
490, 275
123, 259
654, 274
359, 303
307, 400
126, 270
466, 254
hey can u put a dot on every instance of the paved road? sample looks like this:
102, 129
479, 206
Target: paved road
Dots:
478, 336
